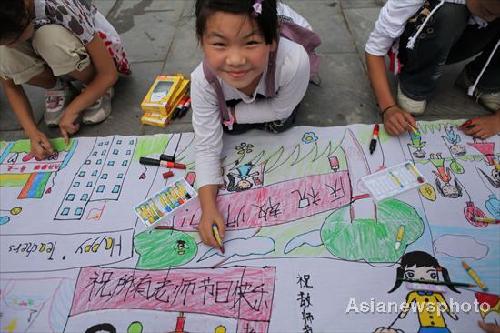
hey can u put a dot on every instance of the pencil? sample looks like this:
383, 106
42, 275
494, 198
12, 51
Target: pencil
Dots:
440, 283
486, 219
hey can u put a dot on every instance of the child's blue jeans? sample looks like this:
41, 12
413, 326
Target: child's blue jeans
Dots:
446, 39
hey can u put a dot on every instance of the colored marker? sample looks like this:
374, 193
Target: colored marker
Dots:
164, 227
373, 142
155, 162
399, 237
486, 219
413, 128
414, 170
440, 283
215, 231
472, 273
168, 158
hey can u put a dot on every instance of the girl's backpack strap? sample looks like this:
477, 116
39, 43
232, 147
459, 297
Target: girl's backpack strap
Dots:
305, 37
212, 79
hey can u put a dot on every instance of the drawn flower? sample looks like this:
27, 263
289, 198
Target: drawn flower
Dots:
309, 137
244, 148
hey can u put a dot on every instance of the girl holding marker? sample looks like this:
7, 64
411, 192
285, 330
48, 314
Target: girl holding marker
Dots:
250, 78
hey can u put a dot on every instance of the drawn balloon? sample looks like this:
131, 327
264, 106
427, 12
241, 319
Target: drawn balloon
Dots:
428, 192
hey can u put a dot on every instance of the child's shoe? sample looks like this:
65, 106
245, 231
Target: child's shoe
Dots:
101, 109
489, 100
412, 106
56, 100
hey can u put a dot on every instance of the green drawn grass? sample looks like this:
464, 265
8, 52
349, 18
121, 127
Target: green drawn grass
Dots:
151, 145
24, 146
158, 249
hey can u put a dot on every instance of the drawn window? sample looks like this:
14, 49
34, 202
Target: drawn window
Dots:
100, 144
120, 175
128, 152
78, 211
65, 211
131, 142
115, 151
87, 162
81, 174
99, 162
104, 176
116, 189
111, 163
76, 184
94, 173
100, 188
118, 142
94, 153
107, 143
124, 163
103, 153
90, 184
84, 197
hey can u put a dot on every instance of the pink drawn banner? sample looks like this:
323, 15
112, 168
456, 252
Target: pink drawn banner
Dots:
243, 293
274, 204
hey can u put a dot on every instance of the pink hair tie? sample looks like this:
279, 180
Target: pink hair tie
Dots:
257, 7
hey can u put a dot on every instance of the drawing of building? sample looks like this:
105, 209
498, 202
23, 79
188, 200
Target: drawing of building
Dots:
100, 177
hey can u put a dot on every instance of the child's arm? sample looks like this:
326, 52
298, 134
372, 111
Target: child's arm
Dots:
40, 145
396, 120
104, 78
210, 215
208, 147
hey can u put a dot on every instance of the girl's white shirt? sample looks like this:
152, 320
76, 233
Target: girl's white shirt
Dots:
392, 20
292, 78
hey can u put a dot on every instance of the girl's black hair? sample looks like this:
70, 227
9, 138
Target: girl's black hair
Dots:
419, 259
14, 18
267, 21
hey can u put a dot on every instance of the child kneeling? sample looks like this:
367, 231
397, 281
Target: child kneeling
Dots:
47, 43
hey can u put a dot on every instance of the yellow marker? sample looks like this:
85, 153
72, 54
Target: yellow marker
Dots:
215, 231
413, 128
399, 237
472, 273
486, 219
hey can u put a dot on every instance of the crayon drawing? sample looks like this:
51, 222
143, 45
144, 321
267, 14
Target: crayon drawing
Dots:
307, 248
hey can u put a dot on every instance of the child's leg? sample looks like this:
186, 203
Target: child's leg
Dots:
422, 65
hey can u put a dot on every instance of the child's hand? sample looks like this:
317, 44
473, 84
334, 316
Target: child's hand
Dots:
68, 124
208, 218
489, 327
40, 145
397, 121
482, 127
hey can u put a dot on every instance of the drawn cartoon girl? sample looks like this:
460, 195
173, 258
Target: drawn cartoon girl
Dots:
454, 139
417, 143
419, 265
246, 178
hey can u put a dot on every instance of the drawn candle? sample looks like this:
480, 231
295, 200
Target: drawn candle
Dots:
399, 237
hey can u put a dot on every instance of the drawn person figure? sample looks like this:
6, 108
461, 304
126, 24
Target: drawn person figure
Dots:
419, 265
443, 174
454, 139
245, 178
417, 143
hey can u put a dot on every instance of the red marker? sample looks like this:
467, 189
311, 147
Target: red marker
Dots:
373, 142
155, 162
467, 124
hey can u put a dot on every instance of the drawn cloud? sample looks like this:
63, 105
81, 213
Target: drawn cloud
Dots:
460, 246
312, 238
243, 247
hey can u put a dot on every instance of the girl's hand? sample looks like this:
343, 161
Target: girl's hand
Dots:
397, 121
68, 124
40, 145
489, 327
208, 218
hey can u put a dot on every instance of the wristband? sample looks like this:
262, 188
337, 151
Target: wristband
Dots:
387, 108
